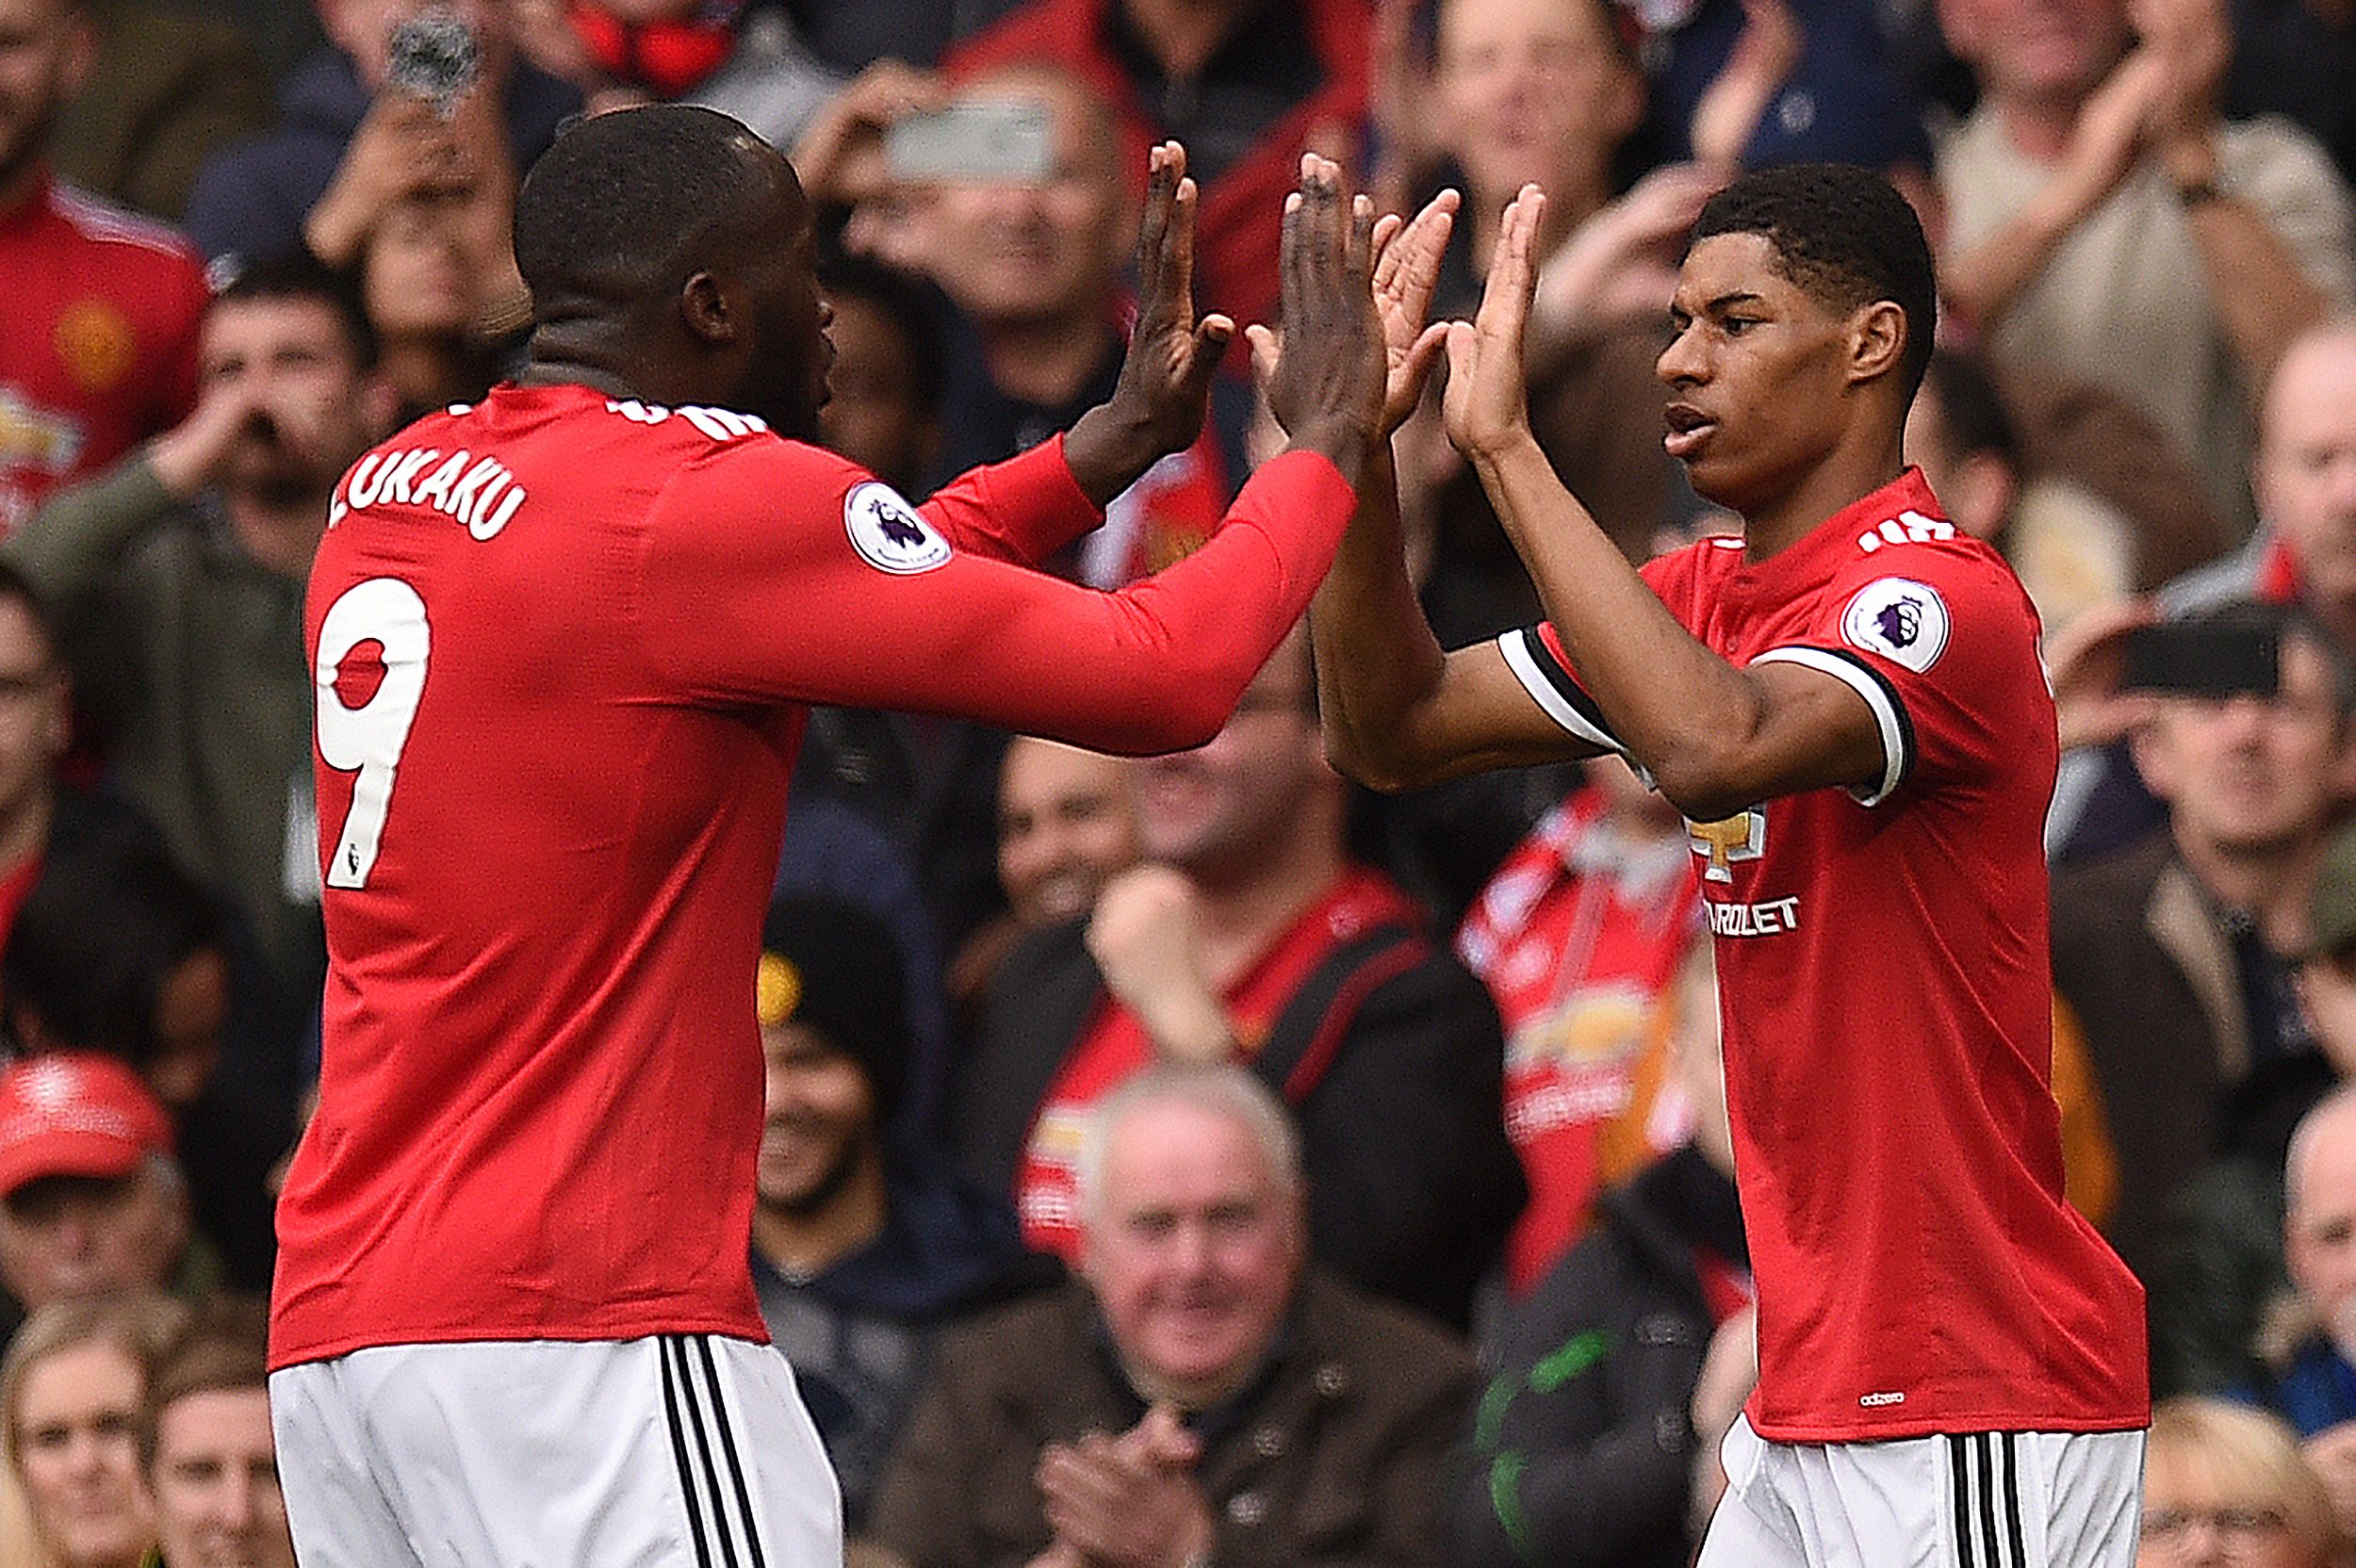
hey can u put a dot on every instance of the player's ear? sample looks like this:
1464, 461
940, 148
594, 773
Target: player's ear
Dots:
705, 307
1878, 340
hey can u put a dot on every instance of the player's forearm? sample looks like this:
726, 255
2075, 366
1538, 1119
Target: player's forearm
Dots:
1181, 645
1376, 657
1685, 714
1023, 510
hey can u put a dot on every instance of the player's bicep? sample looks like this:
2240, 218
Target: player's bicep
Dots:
1826, 721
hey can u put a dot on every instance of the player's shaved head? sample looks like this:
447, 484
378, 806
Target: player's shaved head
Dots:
625, 205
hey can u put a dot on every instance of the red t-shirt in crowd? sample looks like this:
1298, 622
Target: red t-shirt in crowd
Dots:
562, 646
99, 346
1886, 993
1115, 1047
1576, 935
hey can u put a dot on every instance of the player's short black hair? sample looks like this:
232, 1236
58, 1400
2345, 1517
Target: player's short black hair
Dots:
911, 306
1843, 235
621, 202
298, 275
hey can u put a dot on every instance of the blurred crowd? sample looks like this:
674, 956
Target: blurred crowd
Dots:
1193, 1159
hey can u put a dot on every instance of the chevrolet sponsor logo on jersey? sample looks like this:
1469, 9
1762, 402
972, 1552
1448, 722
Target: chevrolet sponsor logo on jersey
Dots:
1742, 836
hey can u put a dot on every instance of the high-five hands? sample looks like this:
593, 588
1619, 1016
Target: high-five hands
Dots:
1158, 404
1487, 406
1326, 376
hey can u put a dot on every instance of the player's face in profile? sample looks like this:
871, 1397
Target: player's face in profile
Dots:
821, 1119
1754, 371
785, 379
216, 1480
1191, 1247
77, 1434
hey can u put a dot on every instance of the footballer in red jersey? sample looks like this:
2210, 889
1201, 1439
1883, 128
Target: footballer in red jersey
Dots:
565, 642
1847, 705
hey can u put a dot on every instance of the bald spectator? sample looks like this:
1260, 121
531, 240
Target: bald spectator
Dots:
98, 343
92, 1199
1203, 1393
2107, 223
2305, 479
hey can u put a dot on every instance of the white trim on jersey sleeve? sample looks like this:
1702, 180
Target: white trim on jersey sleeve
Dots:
1514, 645
1878, 698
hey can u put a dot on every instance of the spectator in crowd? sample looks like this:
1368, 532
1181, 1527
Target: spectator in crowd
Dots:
352, 143
2310, 1377
884, 409
177, 581
1067, 825
43, 819
167, 86
98, 346
1549, 93
1251, 936
2175, 954
1577, 936
1246, 87
119, 952
2221, 1285
438, 278
860, 1252
1583, 1449
206, 1437
1202, 1393
2105, 223
92, 1198
2224, 1484
72, 1388
2305, 479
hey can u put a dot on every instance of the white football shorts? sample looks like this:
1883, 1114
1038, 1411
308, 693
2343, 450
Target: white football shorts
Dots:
1973, 1500
679, 1451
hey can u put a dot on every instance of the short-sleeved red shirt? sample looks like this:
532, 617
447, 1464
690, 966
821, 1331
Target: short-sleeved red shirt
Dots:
1886, 990
563, 645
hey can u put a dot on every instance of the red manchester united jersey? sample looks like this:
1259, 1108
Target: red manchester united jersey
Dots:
562, 645
98, 349
1887, 997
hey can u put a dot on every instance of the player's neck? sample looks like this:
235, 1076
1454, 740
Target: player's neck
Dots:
1846, 476
804, 1242
1046, 363
2270, 885
21, 185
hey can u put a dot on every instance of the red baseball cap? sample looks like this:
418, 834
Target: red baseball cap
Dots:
75, 1113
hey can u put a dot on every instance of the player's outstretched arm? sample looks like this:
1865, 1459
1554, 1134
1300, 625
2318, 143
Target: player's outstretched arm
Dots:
1716, 738
1398, 710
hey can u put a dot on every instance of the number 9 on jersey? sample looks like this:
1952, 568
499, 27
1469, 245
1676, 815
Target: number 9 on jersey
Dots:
368, 739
